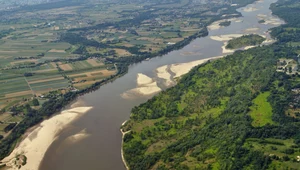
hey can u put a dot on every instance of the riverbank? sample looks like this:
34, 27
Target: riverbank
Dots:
147, 86
163, 72
35, 145
124, 84
122, 152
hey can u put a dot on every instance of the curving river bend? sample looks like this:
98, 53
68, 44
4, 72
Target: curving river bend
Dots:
101, 149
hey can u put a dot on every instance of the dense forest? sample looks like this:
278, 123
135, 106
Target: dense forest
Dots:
245, 40
231, 113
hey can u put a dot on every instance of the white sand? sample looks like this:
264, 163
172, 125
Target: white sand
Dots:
145, 87
249, 47
149, 89
183, 68
269, 20
251, 29
38, 141
163, 73
250, 9
142, 79
238, 20
226, 51
214, 26
272, 21
122, 152
226, 37
268, 41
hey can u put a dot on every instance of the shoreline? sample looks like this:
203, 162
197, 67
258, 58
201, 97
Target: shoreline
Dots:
222, 38
31, 149
122, 152
123, 133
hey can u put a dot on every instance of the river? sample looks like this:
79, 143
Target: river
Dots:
102, 148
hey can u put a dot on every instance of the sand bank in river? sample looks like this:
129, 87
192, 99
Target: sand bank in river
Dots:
145, 86
122, 152
163, 73
35, 145
216, 25
251, 30
225, 50
184, 68
142, 79
269, 20
249, 9
226, 37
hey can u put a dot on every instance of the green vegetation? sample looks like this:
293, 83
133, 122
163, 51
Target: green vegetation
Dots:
225, 23
231, 113
261, 110
245, 40
51, 51
56, 44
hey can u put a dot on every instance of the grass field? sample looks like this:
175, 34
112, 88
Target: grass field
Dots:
261, 111
49, 84
13, 86
276, 147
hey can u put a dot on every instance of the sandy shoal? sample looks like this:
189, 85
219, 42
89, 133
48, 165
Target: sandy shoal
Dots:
35, 145
145, 90
269, 20
250, 9
215, 25
145, 86
225, 50
183, 68
142, 79
226, 37
251, 29
163, 73
150, 89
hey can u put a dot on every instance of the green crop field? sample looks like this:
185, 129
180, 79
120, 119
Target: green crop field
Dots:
52, 84
261, 111
43, 77
13, 86
80, 65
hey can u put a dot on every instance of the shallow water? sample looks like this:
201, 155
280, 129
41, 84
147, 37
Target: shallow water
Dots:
102, 148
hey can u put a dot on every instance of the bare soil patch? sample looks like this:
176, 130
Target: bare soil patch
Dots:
45, 80
121, 52
94, 63
56, 51
18, 94
65, 67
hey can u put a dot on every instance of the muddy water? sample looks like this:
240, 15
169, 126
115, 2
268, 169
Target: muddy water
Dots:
102, 149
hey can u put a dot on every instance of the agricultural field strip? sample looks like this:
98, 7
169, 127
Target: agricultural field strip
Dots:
95, 72
14, 86
45, 80
11, 80
28, 85
22, 93
53, 86
33, 85
44, 77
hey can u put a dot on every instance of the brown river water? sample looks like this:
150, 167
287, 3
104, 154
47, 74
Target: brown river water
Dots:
101, 150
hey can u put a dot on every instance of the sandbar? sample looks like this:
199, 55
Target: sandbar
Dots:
35, 145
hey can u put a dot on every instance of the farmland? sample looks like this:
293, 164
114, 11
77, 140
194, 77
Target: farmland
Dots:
49, 50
